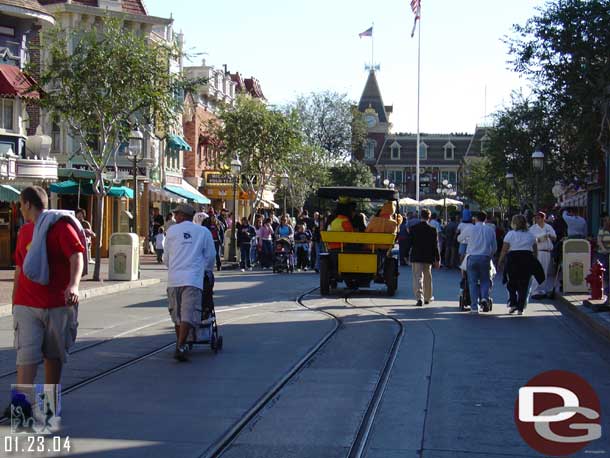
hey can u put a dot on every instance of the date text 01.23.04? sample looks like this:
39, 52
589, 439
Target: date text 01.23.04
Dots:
19, 443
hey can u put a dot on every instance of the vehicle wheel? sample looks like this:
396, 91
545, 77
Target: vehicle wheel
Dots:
389, 275
219, 342
213, 345
324, 276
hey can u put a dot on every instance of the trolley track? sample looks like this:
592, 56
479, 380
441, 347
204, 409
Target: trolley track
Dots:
133, 361
358, 446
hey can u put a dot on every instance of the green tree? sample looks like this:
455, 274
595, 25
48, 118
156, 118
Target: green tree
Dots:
484, 184
353, 173
331, 123
101, 82
264, 140
564, 51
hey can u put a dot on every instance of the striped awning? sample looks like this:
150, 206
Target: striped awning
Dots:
177, 142
190, 194
8, 193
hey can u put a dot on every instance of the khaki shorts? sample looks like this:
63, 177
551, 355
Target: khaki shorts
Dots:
185, 304
43, 333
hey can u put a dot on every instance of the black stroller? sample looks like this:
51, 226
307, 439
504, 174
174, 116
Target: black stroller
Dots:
207, 332
283, 256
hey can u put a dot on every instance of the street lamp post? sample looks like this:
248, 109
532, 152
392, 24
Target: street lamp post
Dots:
134, 151
285, 183
510, 181
445, 190
538, 166
236, 172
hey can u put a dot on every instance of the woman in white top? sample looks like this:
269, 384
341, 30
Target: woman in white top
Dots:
519, 249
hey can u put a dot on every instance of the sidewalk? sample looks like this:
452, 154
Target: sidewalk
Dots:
587, 312
151, 273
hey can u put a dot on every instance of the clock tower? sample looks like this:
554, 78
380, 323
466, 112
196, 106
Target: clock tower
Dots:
377, 118
376, 114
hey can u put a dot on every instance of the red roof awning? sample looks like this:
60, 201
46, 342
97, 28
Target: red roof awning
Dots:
15, 83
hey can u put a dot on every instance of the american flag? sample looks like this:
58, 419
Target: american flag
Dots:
416, 7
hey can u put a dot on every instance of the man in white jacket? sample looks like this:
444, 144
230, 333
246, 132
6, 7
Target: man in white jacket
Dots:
189, 251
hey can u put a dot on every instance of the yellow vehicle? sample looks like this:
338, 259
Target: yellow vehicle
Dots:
357, 258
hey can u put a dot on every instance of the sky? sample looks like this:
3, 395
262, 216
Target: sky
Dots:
295, 48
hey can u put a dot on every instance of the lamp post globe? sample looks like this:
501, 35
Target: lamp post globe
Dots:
538, 160
386, 182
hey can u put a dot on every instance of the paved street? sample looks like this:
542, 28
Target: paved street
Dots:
450, 392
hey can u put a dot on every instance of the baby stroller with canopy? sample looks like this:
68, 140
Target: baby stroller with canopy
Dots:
207, 332
283, 256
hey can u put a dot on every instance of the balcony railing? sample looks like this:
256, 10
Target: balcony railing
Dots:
8, 167
36, 169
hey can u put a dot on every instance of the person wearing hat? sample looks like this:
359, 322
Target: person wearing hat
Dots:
545, 237
189, 252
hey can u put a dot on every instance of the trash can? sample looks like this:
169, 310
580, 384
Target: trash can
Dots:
124, 257
576, 265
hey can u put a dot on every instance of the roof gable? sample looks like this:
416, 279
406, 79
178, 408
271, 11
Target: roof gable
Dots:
371, 97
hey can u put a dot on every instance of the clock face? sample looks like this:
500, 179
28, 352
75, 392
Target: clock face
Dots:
371, 120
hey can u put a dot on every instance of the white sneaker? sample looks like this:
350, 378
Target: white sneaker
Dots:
243, 270
520, 312
512, 310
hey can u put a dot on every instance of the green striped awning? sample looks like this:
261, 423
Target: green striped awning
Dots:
192, 195
8, 193
177, 142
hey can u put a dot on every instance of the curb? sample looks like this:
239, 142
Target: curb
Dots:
587, 316
6, 310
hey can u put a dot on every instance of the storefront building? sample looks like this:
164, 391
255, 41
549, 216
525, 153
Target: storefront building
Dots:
24, 159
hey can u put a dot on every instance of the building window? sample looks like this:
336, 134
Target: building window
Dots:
369, 152
395, 176
484, 144
423, 151
7, 114
395, 151
449, 151
55, 138
450, 176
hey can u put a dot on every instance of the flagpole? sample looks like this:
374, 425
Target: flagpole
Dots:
372, 47
418, 100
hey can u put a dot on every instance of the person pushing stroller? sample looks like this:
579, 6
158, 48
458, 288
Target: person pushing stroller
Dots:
189, 253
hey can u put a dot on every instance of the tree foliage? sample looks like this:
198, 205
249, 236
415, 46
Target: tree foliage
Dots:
331, 123
564, 51
264, 139
353, 173
101, 81
484, 184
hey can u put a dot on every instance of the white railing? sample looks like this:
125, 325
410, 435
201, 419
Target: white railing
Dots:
36, 169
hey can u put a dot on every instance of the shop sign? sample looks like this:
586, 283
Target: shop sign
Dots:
218, 179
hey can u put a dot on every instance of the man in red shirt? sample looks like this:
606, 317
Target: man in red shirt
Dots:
44, 316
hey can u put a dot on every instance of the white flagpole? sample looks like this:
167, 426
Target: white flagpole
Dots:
418, 97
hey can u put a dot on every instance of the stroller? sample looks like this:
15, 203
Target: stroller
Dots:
283, 256
464, 301
207, 332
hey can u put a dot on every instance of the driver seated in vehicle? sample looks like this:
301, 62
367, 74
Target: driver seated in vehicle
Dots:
342, 222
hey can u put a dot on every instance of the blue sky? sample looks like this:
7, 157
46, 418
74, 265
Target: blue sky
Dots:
299, 47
